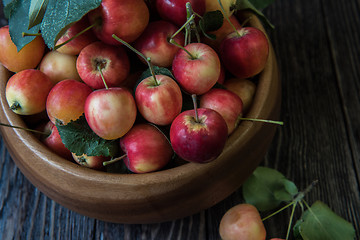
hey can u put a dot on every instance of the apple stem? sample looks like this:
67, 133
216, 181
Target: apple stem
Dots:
77, 35
26, 129
24, 34
245, 22
114, 160
182, 27
172, 41
99, 68
193, 96
192, 24
147, 60
227, 18
261, 120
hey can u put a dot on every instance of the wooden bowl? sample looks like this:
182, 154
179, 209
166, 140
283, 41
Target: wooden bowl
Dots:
153, 197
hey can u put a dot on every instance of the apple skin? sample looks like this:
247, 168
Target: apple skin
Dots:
59, 66
159, 104
27, 90
244, 88
242, 221
113, 60
53, 141
175, 10
226, 103
198, 142
154, 43
127, 19
146, 148
111, 112
66, 101
77, 44
213, 5
28, 57
93, 162
245, 55
222, 75
199, 75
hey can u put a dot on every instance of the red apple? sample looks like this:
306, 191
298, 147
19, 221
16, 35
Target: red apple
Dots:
222, 75
66, 101
94, 162
154, 43
27, 90
53, 141
244, 52
111, 112
78, 43
175, 10
59, 66
242, 221
127, 19
159, 101
28, 57
146, 148
198, 141
226, 103
199, 72
244, 88
113, 61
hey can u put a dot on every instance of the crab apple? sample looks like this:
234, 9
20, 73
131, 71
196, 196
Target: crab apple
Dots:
127, 19
154, 43
146, 148
53, 141
198, 140
78, 43
112, 60
213, 5
244, 53
242, 221
244, 88
175, 10
59, 66
66, 101
222, 75
158, 100
198, 69
27, 90
28, 57
94, 162
111, 112
226, 103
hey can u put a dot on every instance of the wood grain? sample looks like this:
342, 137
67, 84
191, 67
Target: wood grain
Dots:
317, 44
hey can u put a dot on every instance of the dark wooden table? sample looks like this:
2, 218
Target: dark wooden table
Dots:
318, 48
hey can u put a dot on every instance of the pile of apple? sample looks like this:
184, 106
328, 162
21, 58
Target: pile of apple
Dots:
94, 75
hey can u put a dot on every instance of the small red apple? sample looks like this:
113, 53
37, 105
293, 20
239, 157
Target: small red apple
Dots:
112, 60
111, 112
245, 52
127, 19
27, 90
244, 88
146, 148
226, 103
94, 162
159, 101
154, 43
198, 140
196, 73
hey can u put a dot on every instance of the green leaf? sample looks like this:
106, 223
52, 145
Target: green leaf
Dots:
267, 188
8, 5
261, 4
247, 5
37, 11
211, 21
60, 15
78, 137
18, 23
319, 222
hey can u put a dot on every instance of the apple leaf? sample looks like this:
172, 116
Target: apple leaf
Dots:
37, 11
261, 4
78, 137
266, 188
8, 5
18, 23
211, 21
247, 5
60, 15
320, 222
